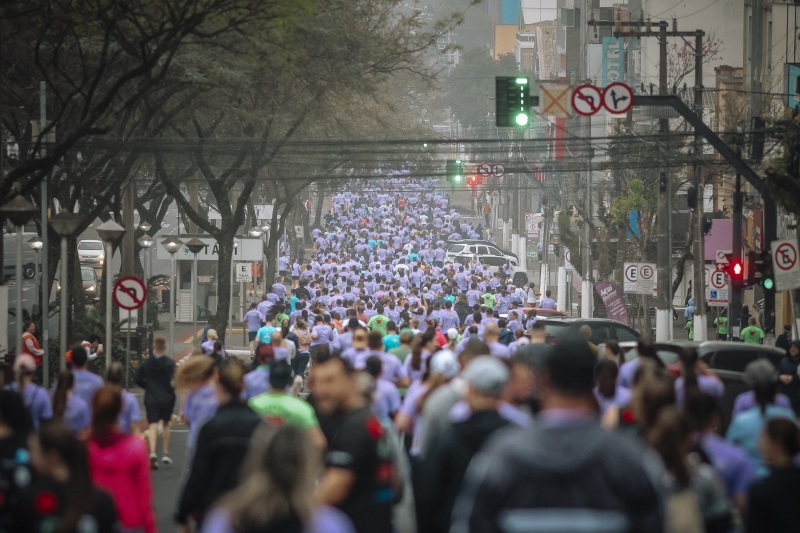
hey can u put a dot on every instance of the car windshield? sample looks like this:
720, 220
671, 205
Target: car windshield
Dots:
557, 330
90, 245
87, 274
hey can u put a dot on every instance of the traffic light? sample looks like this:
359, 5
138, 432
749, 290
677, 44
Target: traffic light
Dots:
513, 101
763, 272
474, 180
455, 171
735, 270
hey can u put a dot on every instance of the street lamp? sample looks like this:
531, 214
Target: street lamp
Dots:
145, 241
265, 228
19, 211
36, 245
110, 232
195, 246
144, 226
172, 244
64, 224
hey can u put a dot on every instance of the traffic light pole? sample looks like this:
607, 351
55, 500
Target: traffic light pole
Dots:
736, 295
699, 263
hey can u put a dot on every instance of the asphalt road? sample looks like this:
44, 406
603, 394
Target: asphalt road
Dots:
168, 479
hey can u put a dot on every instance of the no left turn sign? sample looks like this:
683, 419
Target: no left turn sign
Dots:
129, 293
587, 100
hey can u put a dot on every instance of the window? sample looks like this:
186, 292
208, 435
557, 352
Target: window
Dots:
87, 274
495, 251
456, 248
90, 245
600, 333
482, 250
732, 360
625, 334
492, 261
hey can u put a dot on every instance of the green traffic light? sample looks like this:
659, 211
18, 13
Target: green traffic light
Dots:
522, 119
769, 284
457, 178
522, 81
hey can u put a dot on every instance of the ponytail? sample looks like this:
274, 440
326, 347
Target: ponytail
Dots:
63, 386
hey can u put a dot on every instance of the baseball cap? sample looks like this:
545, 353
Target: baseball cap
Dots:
24, 362
759, 373
444, 362
487, 374
452, 334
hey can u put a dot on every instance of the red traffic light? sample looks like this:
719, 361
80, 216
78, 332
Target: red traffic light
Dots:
737, 269
474, 180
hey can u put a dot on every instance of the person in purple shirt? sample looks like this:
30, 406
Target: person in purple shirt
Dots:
257, 381
491, 336
321, 333
696, 376
71, 410
201, 402
278, 288
386, 399
547, 302
757, 371
730, 461
448, 317
86, 383
130, 414
34, 397
607, 393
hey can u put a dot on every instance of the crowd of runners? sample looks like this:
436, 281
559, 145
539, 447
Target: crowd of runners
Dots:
395, 388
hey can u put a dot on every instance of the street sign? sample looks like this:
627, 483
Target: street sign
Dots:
646, 280
631, 271
618, 98
244, 273
498, 170
129, 293
555, 100
587, 100
720, 257
716, 287
532, 252
485, 169
786, 265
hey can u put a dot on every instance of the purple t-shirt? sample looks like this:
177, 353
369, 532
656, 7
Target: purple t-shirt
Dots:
130, 412
498, 349
410, 408
731, 462
324, 519
747, 400
626, 373
707, 385
86, 384
461, 412
386, 399
253, 319
255, 382
76, 415
323, 333
198, 407
36, 401
622, 397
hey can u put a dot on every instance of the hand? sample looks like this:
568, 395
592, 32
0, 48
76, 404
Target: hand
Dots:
786, 379
702, 367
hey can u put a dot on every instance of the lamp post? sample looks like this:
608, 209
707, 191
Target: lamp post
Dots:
19, 211
110, 232
36, 245
195, 246
145, 241
172, 244
265, 228
64, 224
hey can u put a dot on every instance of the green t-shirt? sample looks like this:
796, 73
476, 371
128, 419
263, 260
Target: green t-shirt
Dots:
488, 300
280, 408
722, 324
752, 335
378, 323
280, 319
690, 327
401, 352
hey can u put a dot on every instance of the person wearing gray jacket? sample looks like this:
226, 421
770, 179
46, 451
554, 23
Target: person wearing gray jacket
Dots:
564, 472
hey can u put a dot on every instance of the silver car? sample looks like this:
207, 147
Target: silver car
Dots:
91, 253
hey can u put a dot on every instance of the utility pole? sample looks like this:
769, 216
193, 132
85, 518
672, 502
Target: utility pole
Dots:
735, 300
664, 257
44, 202
699, 263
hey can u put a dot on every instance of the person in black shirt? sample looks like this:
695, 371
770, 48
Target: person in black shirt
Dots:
785, 338
773, 506
155, 375
62, 497
360, 477
302, 292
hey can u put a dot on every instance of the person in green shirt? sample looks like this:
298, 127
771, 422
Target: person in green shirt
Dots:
722, 325
278, 407
488, 299
281, 317
690, 326
752, 334
402, 351
379, 322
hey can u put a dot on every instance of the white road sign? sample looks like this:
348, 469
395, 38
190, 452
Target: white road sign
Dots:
618, 98
646, 280
631, 271
720, 257
716, 287
244, 272
129, 293
785, 264
498, 170
587, 100
485, 169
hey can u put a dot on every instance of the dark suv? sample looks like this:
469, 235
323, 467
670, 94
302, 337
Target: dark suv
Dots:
603, 329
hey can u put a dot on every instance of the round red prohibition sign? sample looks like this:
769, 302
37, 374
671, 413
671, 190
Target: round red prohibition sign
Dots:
587, 100
786, 256
631, 273
718, 280
646, 272
129, 293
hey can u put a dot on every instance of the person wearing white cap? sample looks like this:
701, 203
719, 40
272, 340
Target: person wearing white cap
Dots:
442, 368
444, 465
452, 339
35, 398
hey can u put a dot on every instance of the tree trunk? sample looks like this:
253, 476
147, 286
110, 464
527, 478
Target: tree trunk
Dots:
224, 266
320, 204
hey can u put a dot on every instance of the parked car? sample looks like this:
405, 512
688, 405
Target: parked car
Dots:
91, 252
541, 313
90, 282
668, 352
488, 253
603, 329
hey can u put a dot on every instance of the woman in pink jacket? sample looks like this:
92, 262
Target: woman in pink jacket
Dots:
119, 463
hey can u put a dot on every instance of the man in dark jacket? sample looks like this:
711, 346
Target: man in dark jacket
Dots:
564, 471
221, 447
441, 471
155, 375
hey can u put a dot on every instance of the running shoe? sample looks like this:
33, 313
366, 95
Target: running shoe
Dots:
166, 460
153, 461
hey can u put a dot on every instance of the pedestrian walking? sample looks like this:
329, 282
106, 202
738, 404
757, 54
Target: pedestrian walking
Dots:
86, 381
69, 409
130, 416
722, 325
752, 334
34, 398
195, 379
155, 375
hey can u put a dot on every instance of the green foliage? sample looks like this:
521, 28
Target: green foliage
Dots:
472, 81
